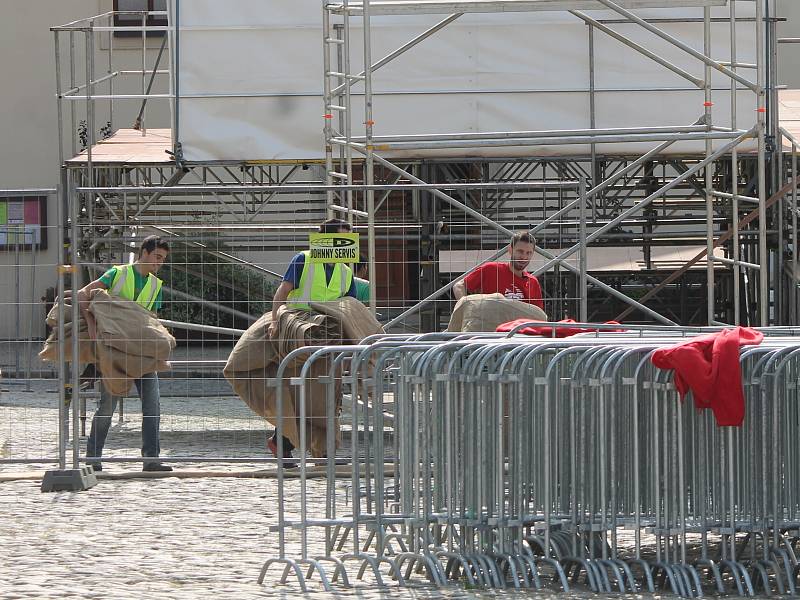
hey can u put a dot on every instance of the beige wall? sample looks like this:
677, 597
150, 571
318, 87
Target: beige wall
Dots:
28, 122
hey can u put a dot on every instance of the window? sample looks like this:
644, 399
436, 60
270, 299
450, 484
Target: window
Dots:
135, 20
23, 223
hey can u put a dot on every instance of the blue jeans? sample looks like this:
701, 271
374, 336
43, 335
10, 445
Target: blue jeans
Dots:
147, 387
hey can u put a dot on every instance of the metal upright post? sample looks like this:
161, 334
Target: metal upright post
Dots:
794, 312
72, 107
348, 106
369, 167
327, 40
582, 289
736, 242
62, 354
593, 117
89, 102
144, 72
763, 256
780, 319
709, 171
75, 286
110, 72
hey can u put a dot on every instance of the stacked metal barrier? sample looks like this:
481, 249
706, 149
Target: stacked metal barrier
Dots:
534, 462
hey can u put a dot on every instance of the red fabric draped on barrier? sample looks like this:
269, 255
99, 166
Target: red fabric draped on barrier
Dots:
547, 330
709, 366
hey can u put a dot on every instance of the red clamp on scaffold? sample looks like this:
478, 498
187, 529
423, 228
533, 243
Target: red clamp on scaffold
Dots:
708, 104
761, 110
328, 116
370, 123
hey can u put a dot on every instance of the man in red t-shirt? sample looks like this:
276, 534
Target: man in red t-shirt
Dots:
508, 278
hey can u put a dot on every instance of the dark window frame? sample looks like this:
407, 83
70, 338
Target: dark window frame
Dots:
128, 21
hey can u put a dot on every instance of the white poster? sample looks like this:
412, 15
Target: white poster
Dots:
250, 80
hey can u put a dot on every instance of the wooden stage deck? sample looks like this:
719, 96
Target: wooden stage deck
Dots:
130, 147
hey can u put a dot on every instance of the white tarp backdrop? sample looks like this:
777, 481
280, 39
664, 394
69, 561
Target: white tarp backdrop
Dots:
249, 78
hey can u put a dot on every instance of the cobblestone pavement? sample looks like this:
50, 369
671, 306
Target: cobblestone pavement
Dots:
160, 537
163, 537
157, 538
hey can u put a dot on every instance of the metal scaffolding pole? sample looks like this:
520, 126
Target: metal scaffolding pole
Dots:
709, 171
763, 281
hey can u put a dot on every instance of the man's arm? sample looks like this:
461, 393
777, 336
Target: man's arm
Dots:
471, 284
278, 300
460, 289
83, 304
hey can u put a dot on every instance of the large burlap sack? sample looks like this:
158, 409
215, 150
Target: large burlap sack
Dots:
130, 341
484, 312
296, 329
320, 400
253, 351
119, 369
255, 359
129, 328
86, 346
301, 328
357, 320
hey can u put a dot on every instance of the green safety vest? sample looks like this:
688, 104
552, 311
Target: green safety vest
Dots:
314, 286
124, 286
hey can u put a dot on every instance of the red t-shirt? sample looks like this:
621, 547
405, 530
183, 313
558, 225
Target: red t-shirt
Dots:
498, 277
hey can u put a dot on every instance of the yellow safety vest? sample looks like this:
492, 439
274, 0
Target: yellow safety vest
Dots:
314, 286
124, 286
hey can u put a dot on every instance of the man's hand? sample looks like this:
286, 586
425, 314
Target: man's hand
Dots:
460, 290
272, 330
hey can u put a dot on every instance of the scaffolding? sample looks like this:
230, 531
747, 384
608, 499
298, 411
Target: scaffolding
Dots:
258, 203
717, 191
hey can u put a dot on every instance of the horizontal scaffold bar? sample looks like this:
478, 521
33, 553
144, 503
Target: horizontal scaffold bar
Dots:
408, 7
249, 189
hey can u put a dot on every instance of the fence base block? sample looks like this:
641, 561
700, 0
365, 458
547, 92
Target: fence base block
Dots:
69, 480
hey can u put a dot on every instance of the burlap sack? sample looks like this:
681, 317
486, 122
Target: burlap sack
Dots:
484, 312
86, 347
357, 320
130, 341
255, 359
129, 328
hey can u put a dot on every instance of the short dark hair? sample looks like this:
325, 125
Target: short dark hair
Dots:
522, 236
334, 225
151, 242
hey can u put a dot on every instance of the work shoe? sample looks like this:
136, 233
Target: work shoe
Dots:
156, 467
272, 445
95, 466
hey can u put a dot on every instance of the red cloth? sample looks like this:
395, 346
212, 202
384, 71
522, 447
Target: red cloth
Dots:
495, 277
708, 365
547, 331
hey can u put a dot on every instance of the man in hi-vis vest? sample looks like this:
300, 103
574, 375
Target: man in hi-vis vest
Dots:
306, 282
135, 282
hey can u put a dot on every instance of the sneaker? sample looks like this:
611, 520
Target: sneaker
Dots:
151, 467
272, 446
95, 466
